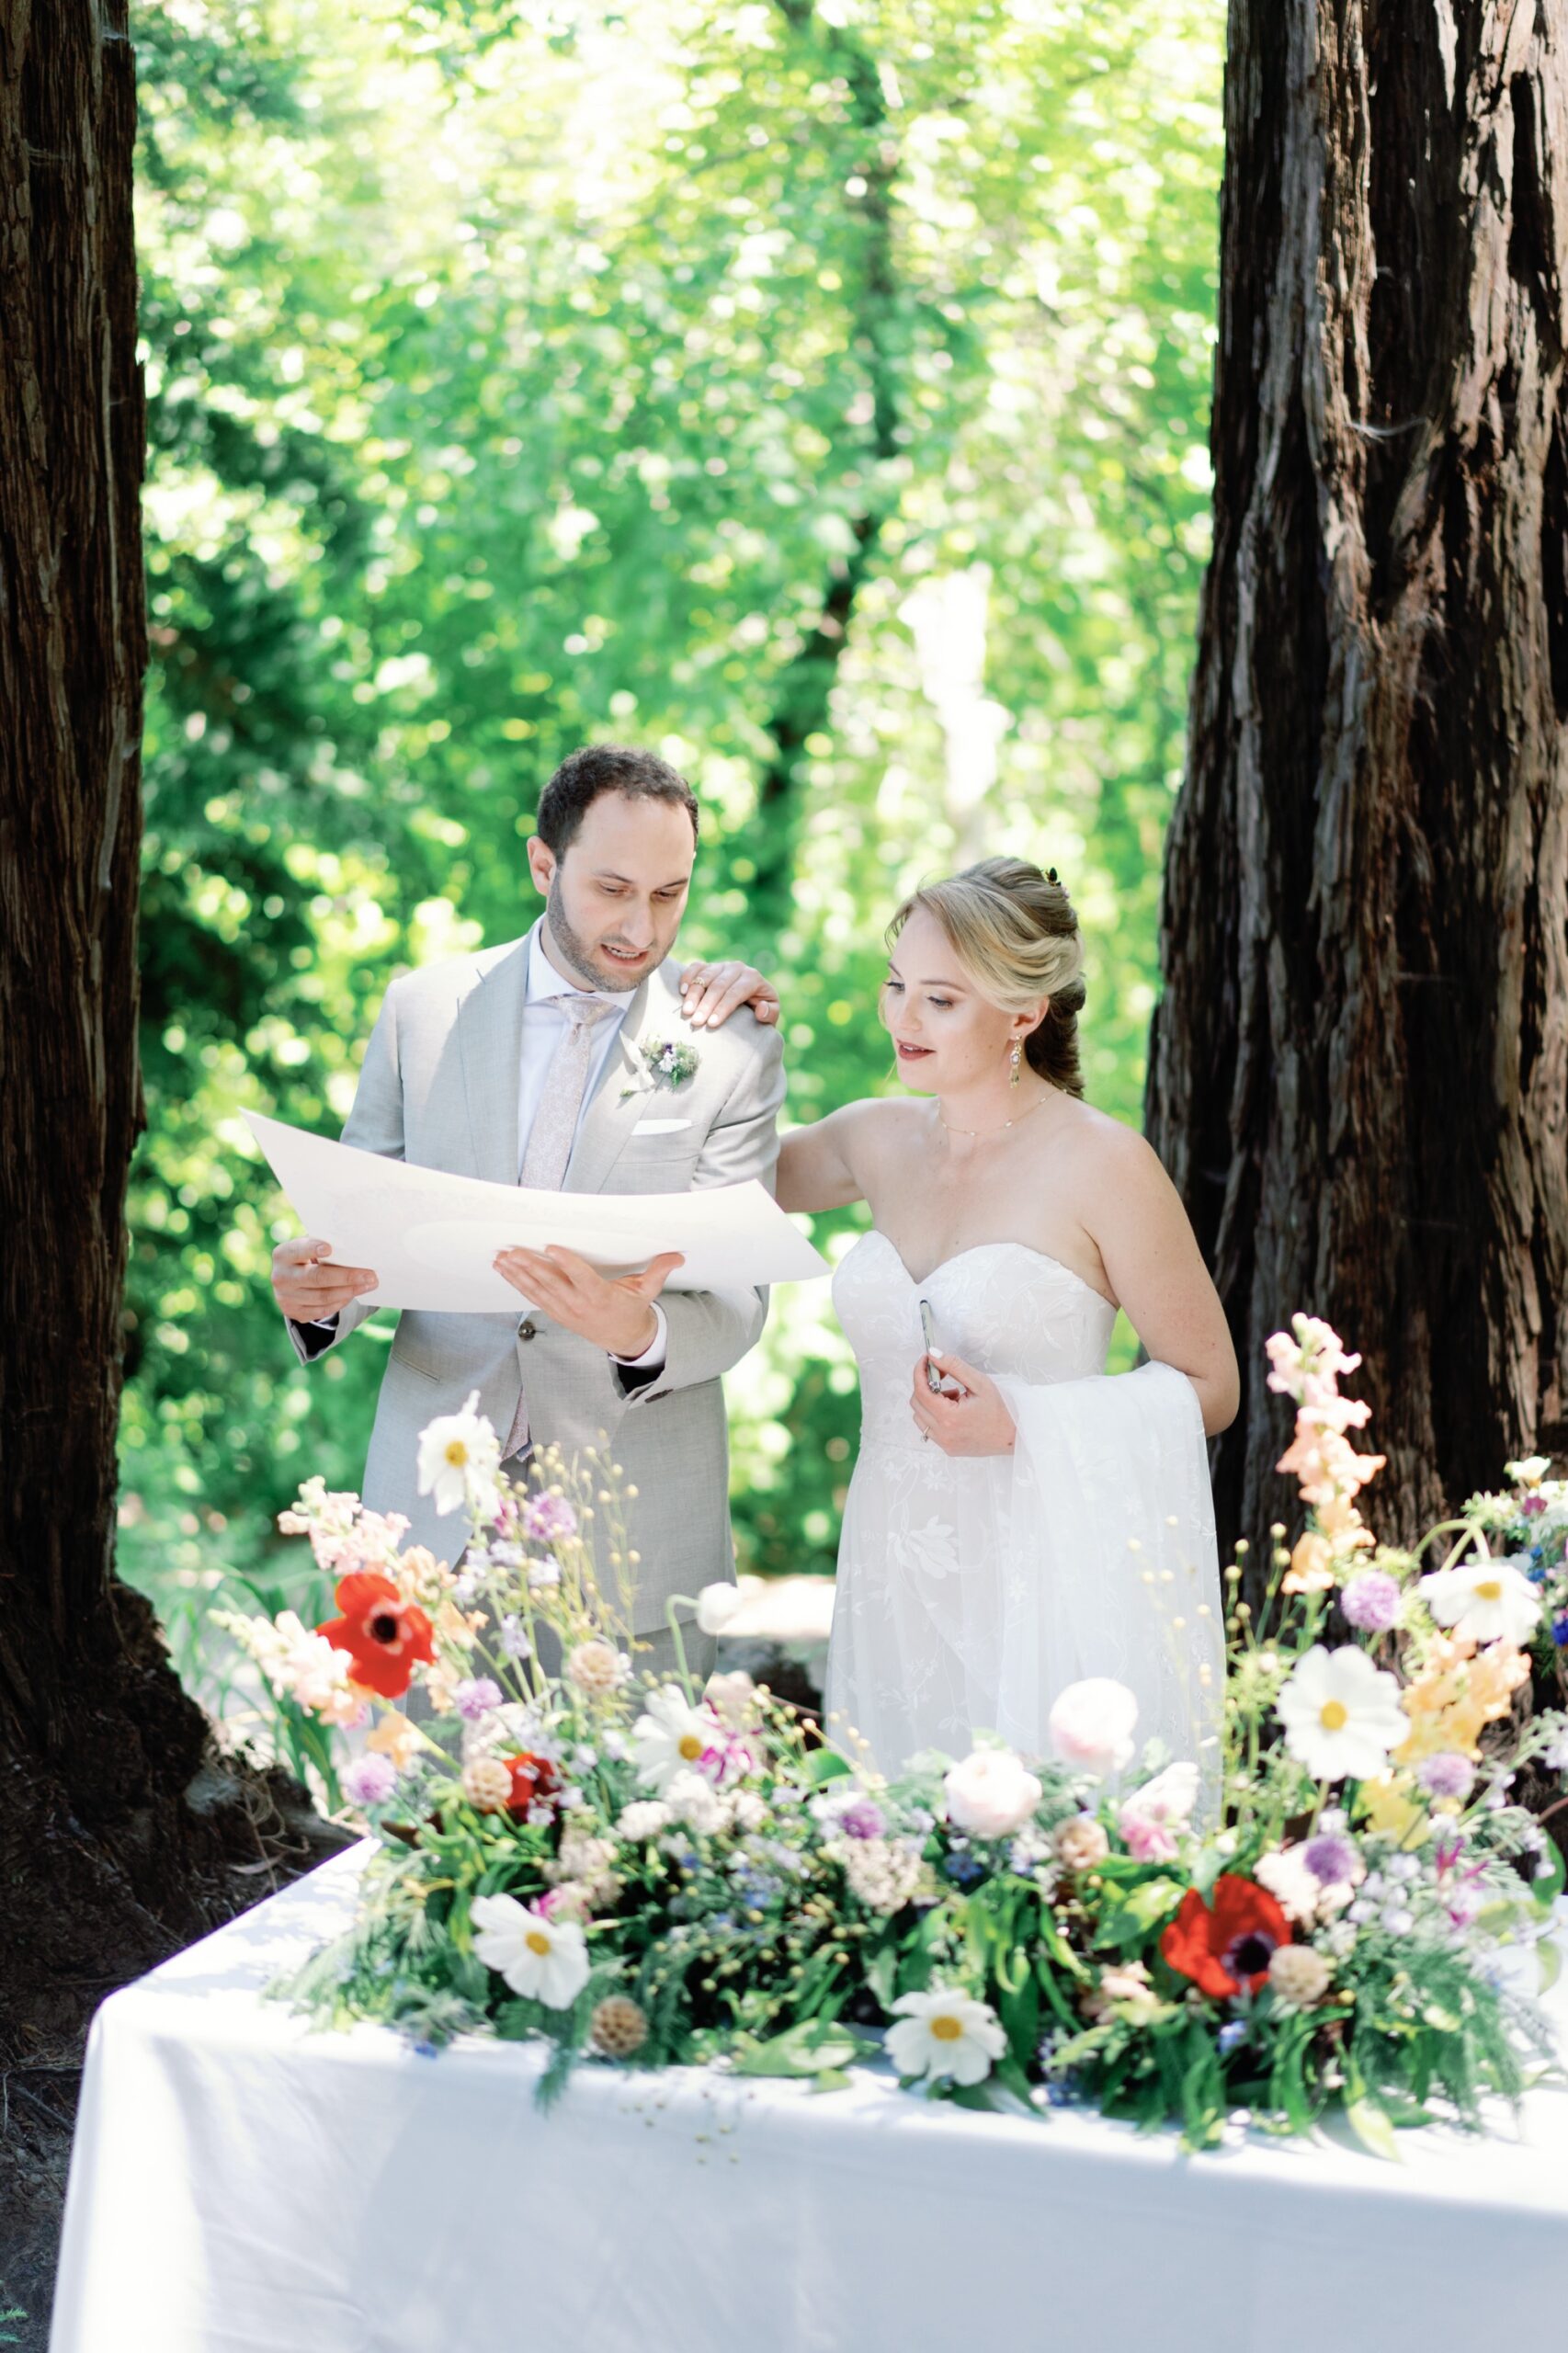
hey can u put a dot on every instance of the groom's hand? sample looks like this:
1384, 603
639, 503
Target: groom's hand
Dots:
616, 1317
308, 1283
711, 993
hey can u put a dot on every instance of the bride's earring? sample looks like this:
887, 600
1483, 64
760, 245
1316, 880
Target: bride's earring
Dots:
1015, 1058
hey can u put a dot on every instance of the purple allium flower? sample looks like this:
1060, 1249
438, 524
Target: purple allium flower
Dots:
1370, 1602
862, 1820
1331, 1860
1447, 1775
370, 1780
547, 1519
476, 1697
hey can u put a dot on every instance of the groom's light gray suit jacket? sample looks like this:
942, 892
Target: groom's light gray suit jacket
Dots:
439, 1088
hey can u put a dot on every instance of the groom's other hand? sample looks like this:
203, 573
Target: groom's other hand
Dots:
309, 1284
711, 993
619, 1316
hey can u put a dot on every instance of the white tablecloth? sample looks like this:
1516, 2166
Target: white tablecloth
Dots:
242, 2185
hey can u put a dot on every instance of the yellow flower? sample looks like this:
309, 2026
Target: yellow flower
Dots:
1385, 1806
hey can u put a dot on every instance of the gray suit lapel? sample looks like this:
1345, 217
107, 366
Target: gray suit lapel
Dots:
490, 1037
620, 1100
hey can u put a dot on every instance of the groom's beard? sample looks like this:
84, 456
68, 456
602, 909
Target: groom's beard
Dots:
576, 952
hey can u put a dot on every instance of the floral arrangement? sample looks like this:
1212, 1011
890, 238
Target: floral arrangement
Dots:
1529, 1520
640, 1872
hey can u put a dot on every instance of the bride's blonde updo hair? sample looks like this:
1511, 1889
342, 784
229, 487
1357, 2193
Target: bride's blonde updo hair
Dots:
1014, 930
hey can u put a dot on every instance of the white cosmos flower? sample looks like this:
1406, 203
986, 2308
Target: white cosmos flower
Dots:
545, 1960
459, 1455
1488, 1600
670, 1737
945, 2035
1341, 1714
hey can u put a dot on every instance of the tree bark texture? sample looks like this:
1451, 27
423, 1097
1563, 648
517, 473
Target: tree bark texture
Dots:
1359, 1074
117, 1826
803, 698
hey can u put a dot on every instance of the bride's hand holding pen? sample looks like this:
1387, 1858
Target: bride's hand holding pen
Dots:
967, 1414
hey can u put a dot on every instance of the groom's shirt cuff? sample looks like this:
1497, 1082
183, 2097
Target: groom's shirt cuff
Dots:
652, 1357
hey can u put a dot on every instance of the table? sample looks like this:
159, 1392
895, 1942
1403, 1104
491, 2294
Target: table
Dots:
244, 2184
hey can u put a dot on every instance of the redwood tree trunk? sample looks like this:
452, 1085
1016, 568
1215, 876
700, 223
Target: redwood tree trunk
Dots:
1358, 1075
116, 1824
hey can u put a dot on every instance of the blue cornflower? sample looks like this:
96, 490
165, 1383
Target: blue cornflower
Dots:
1560, 1631
1230, 2036
1536, 1571
964, 1870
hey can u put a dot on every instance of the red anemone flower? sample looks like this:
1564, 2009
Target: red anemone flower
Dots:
382, 1633
534, 1779
1229, 1945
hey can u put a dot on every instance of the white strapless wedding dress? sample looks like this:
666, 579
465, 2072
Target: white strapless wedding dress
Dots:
971, 1589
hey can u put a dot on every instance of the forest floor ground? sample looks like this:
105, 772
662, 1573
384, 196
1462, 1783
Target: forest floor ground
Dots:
38, 2113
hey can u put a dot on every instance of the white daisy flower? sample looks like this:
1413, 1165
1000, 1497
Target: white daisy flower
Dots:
944, 2036
1341, 1714
670, 1737
1488, 1600
460, 1456
546, 1960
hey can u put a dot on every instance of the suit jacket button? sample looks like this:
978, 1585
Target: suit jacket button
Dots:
525, 1330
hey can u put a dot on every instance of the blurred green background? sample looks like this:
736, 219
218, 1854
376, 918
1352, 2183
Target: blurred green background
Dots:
816, 395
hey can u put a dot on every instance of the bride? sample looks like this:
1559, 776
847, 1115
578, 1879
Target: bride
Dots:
1030, 1521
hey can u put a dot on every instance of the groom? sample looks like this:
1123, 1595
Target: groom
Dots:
543, 1063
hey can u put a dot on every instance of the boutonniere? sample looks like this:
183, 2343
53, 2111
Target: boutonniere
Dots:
671, 1061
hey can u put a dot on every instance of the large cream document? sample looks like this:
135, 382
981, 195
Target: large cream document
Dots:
431, 1237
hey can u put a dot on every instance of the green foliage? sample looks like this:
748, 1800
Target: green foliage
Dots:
516, 376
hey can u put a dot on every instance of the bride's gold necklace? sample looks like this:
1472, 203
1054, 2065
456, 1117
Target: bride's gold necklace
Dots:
994, 1131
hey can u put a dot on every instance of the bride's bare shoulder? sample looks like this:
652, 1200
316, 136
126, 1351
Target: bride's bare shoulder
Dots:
877, 1127
1105, 1152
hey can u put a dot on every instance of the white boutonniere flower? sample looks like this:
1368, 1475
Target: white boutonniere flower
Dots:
671, 1061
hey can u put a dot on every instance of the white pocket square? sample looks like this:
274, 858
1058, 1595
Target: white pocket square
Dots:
659, 1126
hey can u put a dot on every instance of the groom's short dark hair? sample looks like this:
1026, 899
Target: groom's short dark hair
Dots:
605, 767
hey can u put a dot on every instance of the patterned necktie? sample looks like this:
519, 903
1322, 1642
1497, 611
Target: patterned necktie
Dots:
554, 1130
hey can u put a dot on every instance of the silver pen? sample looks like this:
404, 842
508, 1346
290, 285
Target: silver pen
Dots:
928, 1331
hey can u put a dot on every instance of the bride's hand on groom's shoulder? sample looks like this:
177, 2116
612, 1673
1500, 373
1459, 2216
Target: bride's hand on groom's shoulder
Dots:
711, 993
967, 1414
